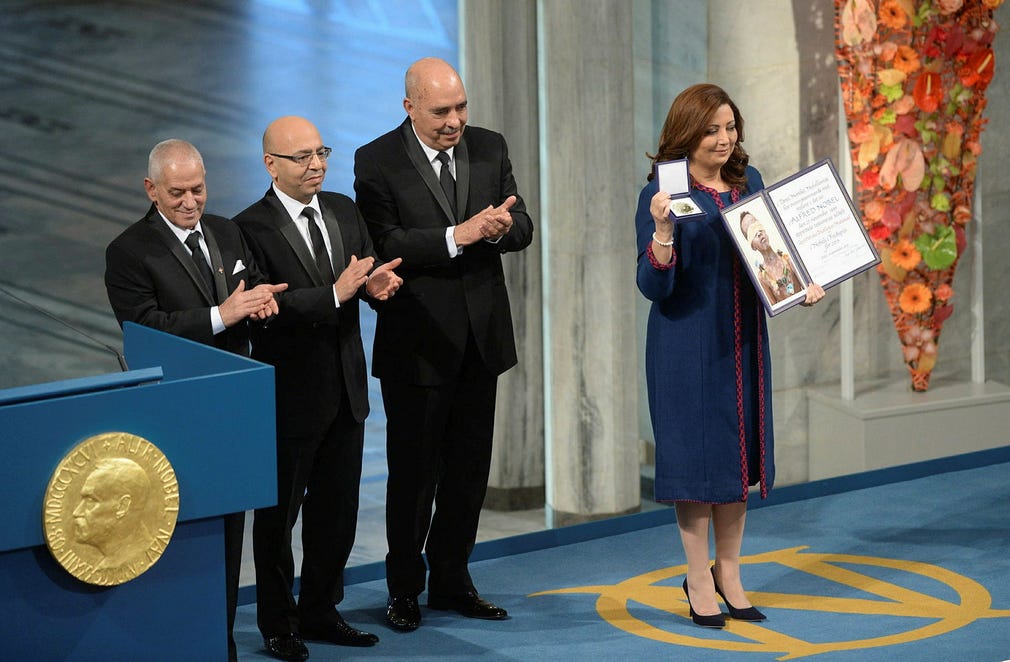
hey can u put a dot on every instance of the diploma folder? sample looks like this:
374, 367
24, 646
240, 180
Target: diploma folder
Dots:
810, 218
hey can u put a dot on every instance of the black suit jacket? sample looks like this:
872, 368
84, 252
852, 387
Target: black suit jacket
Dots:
314, 346
151, 279
421, 333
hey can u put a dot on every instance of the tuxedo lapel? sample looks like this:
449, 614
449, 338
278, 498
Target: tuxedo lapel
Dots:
180, 253
216, 264
336, 241
420, 162
462, 158
290, 232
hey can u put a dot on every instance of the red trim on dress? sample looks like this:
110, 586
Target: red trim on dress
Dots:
738, 360
656, 264
735, 195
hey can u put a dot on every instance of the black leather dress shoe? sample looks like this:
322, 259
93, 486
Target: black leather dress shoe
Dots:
286, 647
470, 605
403, 614
338, 632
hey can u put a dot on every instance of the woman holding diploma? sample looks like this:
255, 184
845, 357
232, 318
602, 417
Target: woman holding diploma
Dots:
707, 358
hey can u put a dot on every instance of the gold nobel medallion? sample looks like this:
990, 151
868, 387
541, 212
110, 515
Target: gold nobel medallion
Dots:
110, 508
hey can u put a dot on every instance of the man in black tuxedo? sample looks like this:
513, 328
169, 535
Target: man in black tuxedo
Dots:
316, 242
445, 200
190, 274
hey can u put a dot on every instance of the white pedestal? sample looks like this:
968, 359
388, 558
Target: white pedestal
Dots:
891, 425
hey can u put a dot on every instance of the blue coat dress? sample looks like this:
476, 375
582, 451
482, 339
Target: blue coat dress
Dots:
707, 361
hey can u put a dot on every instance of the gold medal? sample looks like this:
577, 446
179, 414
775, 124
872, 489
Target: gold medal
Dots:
110, 508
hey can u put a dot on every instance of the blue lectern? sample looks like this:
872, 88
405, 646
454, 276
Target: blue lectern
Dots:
212, 414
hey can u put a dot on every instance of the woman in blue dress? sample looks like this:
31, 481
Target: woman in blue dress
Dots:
707, 357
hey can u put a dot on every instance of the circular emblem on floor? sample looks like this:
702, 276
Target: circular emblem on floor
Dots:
874, 601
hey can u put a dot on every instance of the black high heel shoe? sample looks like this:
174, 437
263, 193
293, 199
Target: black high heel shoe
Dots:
747, 614
713, 621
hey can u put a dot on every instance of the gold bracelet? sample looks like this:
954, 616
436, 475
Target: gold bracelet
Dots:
666, 244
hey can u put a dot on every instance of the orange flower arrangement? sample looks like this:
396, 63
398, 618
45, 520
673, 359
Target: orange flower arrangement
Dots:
915, 298
906, 60
905, 255
893, 15
914, 75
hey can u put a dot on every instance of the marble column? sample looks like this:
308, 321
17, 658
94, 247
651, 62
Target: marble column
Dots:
499, 68
993, 187
588, 196
776, 137
661, 72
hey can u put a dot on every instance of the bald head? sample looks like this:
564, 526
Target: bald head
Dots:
286, 141
283, 131
427, 74
436, 102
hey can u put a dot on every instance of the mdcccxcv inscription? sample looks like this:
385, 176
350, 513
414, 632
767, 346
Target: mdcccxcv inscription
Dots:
110, 508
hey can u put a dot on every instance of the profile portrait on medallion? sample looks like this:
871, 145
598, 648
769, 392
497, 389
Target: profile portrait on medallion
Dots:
110, 514
111, 508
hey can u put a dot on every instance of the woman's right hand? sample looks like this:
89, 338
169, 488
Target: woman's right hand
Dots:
660, 210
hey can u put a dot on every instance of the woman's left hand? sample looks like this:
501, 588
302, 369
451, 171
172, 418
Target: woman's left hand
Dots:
814, 294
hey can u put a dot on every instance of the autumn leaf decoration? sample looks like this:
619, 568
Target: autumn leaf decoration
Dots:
914, 75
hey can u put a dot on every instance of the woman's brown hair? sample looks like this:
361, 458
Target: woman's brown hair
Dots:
689, 118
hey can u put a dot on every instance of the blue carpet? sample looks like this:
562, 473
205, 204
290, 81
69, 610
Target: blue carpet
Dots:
913, 570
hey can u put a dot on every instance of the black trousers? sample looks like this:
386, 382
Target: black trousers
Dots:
438, 449
318, 474
234, 528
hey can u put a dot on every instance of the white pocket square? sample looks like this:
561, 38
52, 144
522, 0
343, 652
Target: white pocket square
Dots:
238, 267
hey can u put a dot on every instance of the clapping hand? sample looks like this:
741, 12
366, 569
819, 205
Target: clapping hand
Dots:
383, 283
255, 304
491, 223
352, 277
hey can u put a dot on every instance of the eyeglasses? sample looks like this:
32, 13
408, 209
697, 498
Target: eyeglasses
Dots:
305, 158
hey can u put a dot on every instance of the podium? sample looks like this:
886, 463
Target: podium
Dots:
212, 415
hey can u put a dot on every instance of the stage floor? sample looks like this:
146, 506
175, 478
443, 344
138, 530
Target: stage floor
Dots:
912, 570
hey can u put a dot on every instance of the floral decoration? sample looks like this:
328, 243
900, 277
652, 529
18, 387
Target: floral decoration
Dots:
914, 75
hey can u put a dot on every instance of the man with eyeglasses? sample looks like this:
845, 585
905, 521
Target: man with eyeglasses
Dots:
316, 242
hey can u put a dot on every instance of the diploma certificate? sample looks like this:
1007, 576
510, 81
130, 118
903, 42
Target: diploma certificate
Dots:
814, 235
